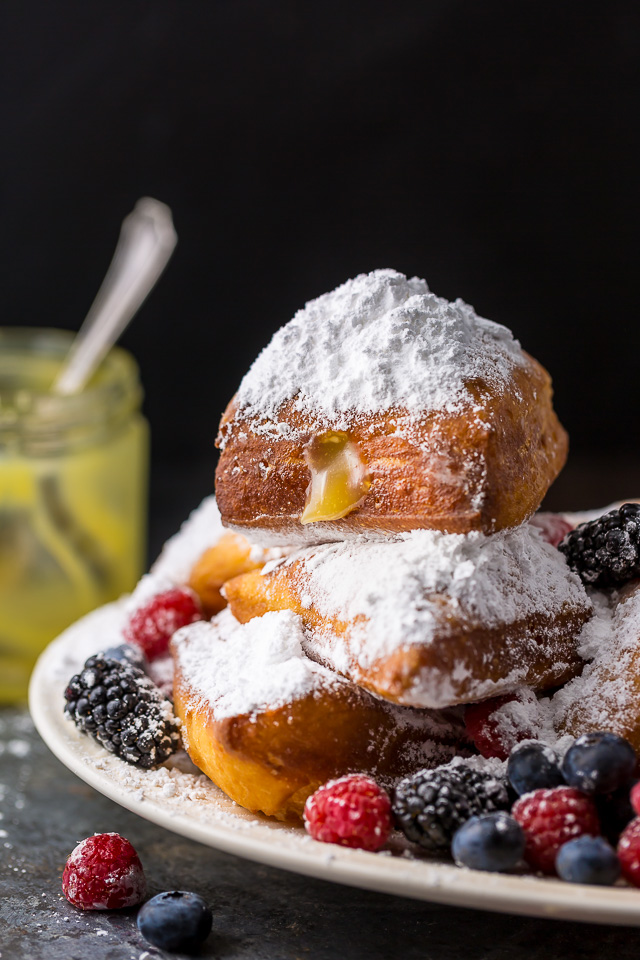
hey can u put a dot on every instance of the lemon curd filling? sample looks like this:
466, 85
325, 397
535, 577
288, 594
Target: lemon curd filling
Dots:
339, 477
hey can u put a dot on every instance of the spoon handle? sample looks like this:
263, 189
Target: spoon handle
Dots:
147, 240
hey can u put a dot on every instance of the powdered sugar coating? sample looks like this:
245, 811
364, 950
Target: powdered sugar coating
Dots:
607, 694
378, 342
242, 668
387, 588
238, 670
201, 530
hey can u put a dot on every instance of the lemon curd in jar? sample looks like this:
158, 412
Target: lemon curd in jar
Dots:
73, 482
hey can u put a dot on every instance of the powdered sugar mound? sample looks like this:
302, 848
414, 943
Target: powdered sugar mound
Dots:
243, 668
377, 342
201, 530
392, 589
607, 694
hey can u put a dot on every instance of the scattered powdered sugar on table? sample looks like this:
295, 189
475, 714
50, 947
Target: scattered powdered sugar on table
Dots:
242, 668
392, 591
378, 342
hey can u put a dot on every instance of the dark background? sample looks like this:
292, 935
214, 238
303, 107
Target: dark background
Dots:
490, 147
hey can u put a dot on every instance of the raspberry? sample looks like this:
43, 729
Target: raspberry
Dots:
553, 526
104, 873
635, 797
352, 811
629, 852
152, 626
495, 731
551, 818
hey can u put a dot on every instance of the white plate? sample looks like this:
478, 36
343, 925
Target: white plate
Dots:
184, 801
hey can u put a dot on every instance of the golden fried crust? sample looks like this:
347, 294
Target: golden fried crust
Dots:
272, 760
229, 557
461, 663
485, 468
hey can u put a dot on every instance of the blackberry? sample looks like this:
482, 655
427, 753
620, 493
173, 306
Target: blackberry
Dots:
431, 805
120, 707
606, 552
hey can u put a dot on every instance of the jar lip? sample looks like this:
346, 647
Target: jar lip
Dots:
113, 391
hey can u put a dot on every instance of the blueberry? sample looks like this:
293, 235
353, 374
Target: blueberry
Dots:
599, 763
127, 653
588, 860
533, 766
494, 841
175, 920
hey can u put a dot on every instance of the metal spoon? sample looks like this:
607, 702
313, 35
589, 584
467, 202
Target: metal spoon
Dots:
147, 240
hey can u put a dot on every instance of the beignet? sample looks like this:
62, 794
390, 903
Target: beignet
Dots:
435, 418
607, 694
429, 619
269, 726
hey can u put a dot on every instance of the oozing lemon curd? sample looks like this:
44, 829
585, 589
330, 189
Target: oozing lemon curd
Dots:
339, 477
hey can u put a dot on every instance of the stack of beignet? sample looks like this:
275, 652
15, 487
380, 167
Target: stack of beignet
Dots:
393, 446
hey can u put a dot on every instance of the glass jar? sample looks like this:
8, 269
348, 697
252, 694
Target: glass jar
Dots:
73, 492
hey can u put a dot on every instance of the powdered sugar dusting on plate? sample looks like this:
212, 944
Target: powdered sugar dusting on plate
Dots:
378, 342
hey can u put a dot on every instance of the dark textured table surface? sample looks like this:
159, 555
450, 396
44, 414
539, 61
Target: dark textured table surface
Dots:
259, 912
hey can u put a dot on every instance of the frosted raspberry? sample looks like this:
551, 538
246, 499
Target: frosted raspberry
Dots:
352, 811
104, 873
494, 731
152, 626
549, 819
554, 526
629, 852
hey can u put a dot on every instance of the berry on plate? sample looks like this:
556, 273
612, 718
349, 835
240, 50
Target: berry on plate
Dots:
127, 653
152, 625
175, 921
495, 726
606, 552
616, 811
121, 708
629, 852
599, 763
533, 766
553, 526
588, 860
550, 818
493, 842
104, 873
352, 811
431, 805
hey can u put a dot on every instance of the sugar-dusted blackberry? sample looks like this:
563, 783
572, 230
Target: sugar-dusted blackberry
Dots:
120, 707
431, 805
606, 552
